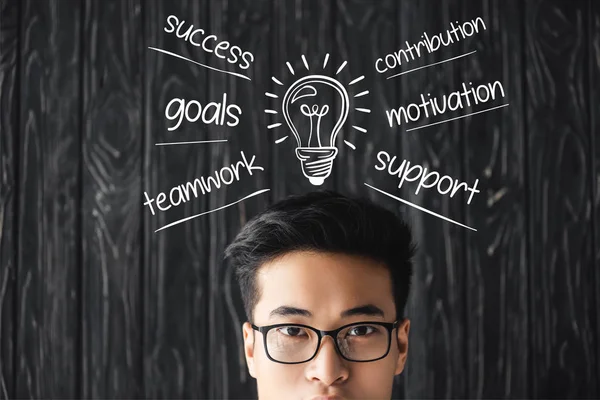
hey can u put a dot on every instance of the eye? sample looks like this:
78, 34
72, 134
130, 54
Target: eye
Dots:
292, 331
361, 330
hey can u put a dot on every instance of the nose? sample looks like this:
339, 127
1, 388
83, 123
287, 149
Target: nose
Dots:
328, 366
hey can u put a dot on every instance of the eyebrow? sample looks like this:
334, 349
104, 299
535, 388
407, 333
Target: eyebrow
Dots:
286, 311
367, 309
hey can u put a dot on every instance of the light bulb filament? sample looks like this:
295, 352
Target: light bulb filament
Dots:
315, 112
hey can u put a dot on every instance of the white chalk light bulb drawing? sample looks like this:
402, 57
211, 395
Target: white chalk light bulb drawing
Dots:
315, 156
309, 119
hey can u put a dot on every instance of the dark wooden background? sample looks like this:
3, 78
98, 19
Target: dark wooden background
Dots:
94, 304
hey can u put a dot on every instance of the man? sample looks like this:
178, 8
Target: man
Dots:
324, 280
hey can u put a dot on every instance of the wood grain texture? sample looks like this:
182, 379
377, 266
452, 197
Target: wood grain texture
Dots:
436, 366
111, 225
217, 157
497, 312
561, 293
301, 28
246, 24
95, 304
364, 32
176, 275
594, 104
48, 225
9, 137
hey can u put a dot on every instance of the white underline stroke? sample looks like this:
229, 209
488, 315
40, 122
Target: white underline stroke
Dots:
202, 65
199, 141
429, 65
421, 208
208, 212
452, 119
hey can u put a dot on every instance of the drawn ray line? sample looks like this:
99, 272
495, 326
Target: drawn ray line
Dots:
326, 59
276, 81
362, 93
341, 67
358, 128
304, 61
271, 111
350, 145
271, 95
360, 78
280, 140
274, 125
290, 67
365, 110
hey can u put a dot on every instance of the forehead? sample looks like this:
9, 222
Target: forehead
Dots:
323, 283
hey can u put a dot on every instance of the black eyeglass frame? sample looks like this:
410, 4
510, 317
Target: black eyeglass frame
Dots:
390, 326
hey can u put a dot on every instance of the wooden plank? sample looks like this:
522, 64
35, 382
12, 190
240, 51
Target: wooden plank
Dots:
561, 263
497, 312
217, 157
246, 24
301, 28
48, 201
594, 101
436, 364
176, 358
9, 103
365, 32
111, 219
594, 68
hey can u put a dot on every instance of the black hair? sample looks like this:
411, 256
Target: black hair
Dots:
323, 221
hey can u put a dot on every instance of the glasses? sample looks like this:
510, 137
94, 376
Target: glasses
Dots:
297, 343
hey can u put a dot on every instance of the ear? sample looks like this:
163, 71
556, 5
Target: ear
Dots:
402, 339
248, 333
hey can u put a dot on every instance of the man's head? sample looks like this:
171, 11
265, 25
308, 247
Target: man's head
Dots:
324, 261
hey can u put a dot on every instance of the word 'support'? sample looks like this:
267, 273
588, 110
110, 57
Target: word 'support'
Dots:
444, 184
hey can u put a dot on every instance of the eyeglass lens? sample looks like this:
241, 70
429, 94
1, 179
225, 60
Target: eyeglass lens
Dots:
294, 344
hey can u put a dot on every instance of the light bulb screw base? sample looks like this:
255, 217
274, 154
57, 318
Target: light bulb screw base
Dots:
316, 162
